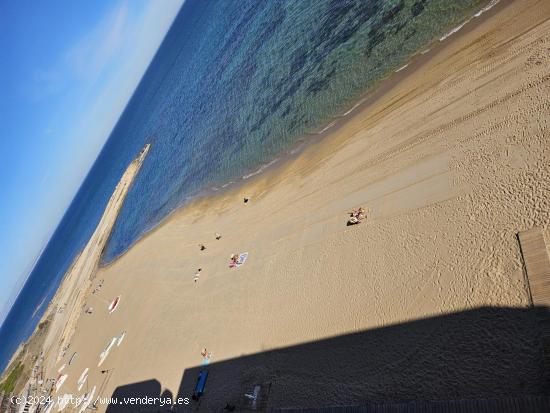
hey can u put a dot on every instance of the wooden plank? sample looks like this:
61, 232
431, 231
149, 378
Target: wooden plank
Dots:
537, 264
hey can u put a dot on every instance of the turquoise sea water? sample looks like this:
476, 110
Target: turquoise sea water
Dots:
233, 85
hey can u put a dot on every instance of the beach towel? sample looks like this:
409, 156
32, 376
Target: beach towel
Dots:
242, 258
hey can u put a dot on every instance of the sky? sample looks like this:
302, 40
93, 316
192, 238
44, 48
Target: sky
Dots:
67, 70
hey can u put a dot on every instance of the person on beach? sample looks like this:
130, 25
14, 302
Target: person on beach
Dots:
356, 216
202, 247
218, 236
206, 356
234, 260
197, 274
246, 200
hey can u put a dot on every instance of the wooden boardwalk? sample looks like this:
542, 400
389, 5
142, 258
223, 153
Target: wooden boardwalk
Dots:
537, 265
537, 268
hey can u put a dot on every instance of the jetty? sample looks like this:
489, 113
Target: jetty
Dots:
78, 280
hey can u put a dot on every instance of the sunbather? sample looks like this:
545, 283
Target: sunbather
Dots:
197, 274
356, 216
234, 260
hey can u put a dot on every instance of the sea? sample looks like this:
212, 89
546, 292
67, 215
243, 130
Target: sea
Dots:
233, 86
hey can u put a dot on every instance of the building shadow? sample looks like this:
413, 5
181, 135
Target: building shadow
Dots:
149, 394
484, 353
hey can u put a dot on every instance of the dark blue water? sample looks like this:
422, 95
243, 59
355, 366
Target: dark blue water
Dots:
232, 85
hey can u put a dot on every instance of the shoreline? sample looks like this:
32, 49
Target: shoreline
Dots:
379, 89
63, 311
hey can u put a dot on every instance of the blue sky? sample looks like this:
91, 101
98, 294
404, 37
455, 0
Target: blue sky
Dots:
67, 70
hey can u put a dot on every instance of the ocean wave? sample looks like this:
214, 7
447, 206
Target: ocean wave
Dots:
353, 107
38, 307
455, 30
492, 4
330, 125
260, 169
401, 68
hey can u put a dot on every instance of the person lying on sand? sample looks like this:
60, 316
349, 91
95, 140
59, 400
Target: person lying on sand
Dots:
197, 274
234, 260
356, 216
218, 236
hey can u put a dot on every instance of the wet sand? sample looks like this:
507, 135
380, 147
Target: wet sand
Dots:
426, 299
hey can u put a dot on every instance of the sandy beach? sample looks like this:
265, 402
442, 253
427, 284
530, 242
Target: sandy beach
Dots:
424, 300
71, 299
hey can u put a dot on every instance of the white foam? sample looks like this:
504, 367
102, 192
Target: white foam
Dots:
455, 30
354, 107
492, 4
402, 67
330, 125
260, 169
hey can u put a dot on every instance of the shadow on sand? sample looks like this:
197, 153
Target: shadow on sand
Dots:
484, 353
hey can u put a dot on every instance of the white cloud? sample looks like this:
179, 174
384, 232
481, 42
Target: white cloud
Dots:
92, 53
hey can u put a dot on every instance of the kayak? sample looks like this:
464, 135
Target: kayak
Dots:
114, 304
